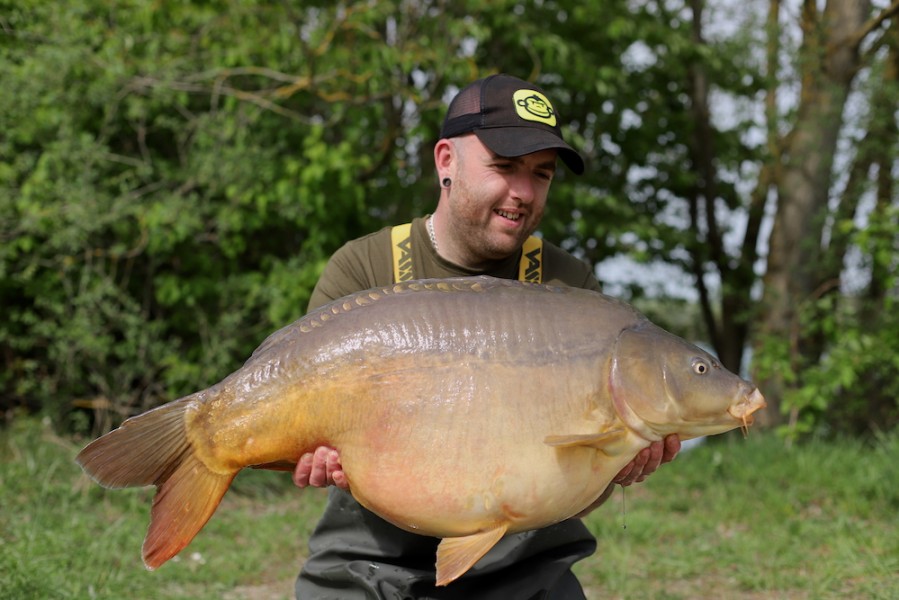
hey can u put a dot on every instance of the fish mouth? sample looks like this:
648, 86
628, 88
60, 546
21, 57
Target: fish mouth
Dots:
743, 409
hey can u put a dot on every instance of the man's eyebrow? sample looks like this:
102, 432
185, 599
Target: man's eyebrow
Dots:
547, 164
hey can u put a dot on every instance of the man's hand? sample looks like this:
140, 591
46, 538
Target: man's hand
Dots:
648, 460
320, 469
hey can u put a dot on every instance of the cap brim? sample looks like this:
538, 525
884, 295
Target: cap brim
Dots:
518, 141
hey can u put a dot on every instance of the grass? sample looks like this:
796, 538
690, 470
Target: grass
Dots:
732, 518
62, 536
741, 518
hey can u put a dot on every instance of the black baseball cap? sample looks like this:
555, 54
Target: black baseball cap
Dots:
511, 117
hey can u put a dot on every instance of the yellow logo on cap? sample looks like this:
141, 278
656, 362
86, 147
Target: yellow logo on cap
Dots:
533, 106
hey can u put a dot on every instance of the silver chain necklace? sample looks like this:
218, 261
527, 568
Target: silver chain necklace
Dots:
431, 233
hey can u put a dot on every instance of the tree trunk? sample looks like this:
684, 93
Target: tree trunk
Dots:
829, 61
728, 332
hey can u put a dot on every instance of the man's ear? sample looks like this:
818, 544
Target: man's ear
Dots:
444, 157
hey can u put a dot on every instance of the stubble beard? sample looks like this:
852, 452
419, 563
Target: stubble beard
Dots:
474, 232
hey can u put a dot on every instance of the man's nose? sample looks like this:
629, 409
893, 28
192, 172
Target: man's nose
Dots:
522, 187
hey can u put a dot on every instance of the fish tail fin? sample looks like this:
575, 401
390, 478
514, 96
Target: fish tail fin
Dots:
153, 449
184, 502
144, 450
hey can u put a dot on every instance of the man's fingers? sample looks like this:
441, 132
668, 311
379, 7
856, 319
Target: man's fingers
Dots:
653, 460
318, 477
632, 470
672, 447
648, 460
340, 480
302, 470
332, 466
657, 450
639, 465
336, 476
623, 473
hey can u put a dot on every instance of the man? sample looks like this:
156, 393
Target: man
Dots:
495, 162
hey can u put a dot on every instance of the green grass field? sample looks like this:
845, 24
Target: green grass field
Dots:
732, 518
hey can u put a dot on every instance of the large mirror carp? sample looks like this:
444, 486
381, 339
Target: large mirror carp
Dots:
463, 409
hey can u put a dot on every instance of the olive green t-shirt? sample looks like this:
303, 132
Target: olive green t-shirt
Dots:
367, 262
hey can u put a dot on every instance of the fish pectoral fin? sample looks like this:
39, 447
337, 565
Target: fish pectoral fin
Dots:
458, 554
593, 440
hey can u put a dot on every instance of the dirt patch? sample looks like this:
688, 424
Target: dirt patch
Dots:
275, 590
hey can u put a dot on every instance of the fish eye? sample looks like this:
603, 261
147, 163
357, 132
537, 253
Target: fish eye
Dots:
700, 367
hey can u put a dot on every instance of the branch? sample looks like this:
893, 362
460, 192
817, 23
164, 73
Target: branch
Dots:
772, 52
874, 23
758, 200
261, 98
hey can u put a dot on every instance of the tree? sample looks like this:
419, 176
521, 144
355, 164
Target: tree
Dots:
813, 226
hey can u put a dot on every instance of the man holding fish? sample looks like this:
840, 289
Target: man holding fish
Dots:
495, 162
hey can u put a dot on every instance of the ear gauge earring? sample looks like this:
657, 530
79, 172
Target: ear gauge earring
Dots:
446, 181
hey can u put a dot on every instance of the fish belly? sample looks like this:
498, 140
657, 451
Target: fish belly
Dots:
458, 447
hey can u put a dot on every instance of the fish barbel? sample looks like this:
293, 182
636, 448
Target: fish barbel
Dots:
463, 409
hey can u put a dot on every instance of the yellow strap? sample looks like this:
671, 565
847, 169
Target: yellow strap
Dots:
529, 269
401, 244
531, 266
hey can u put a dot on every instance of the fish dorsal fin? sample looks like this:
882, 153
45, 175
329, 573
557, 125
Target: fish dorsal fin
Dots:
458, 554
593, 440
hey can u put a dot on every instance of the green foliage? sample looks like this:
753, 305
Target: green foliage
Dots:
853, 388
173, 179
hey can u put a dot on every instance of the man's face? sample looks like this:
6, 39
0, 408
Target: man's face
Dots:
496, 202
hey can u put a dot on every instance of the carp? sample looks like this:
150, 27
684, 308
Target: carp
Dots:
463, 409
